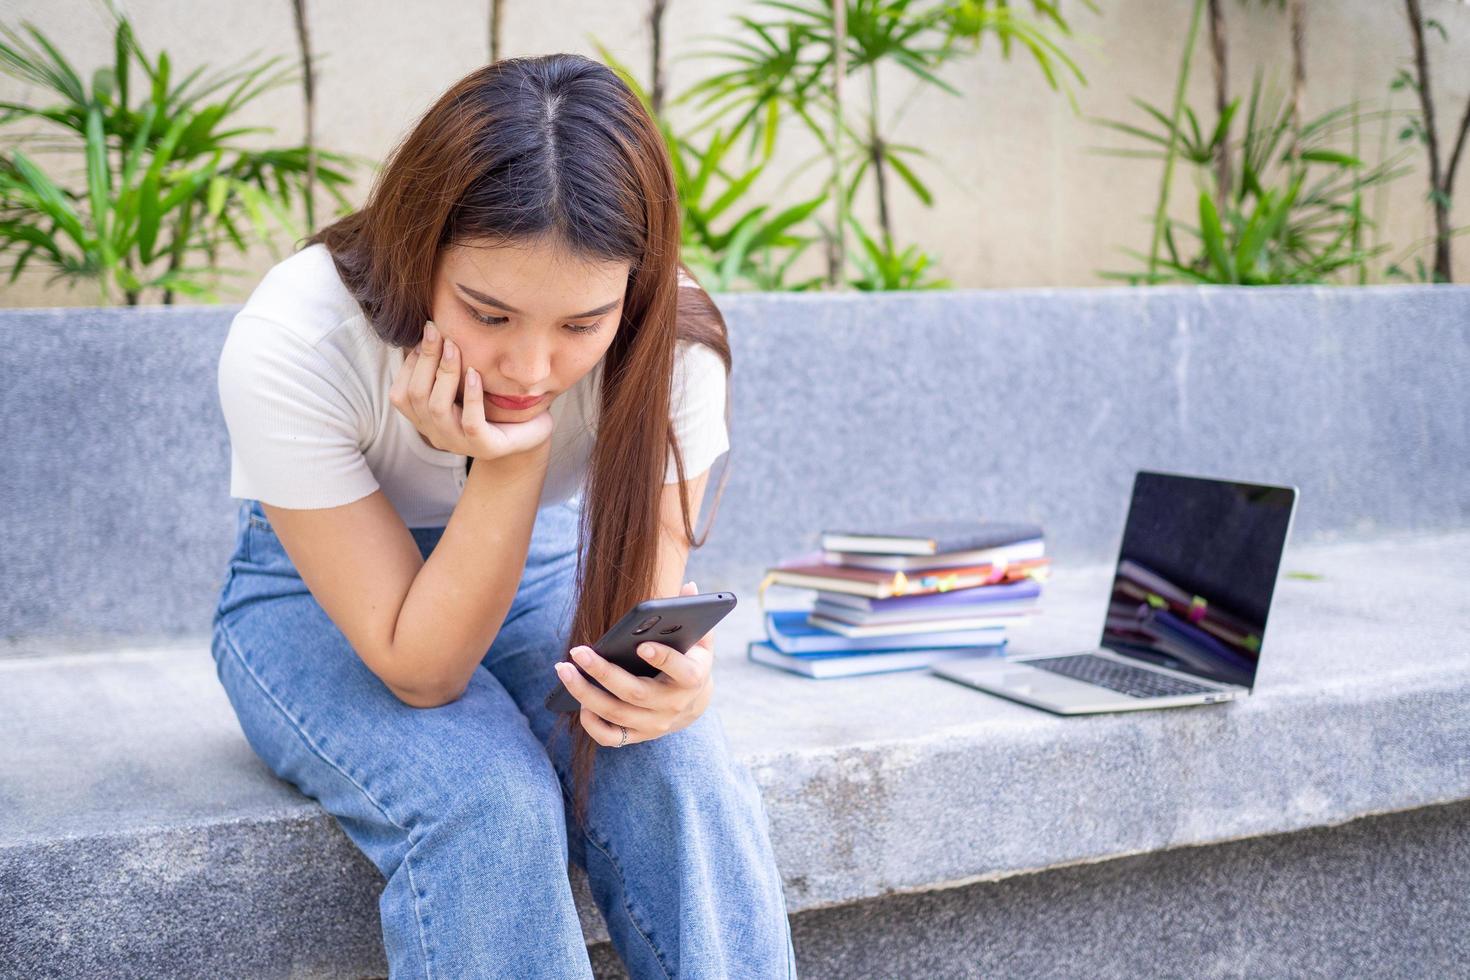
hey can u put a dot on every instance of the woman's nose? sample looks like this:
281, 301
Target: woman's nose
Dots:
526, 365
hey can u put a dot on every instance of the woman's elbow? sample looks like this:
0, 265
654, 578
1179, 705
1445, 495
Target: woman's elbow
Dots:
427, 697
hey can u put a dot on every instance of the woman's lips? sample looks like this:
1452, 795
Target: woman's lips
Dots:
516, 403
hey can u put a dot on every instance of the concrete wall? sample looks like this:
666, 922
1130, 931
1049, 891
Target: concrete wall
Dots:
1033, 405
1023, 199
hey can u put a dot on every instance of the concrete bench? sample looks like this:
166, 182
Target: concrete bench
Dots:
923, 829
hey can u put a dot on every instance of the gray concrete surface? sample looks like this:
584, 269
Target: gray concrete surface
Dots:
1034, 404
139, 836
128, 794
1383, 897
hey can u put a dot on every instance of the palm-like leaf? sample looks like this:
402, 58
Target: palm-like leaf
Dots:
1293, 213
168, 184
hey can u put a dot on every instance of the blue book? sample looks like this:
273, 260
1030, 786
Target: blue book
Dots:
789, 631
873, 662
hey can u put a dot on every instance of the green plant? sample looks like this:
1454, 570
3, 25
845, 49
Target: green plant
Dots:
165, 184
1294, 212
786, 65
1443, 156
971, 21
757, 248
884, 267
752, 249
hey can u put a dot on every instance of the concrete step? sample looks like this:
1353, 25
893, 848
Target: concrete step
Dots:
140, 836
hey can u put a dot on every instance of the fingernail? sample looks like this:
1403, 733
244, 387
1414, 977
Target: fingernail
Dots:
560, 664
646, 652
431, 333
448, 349
579, 654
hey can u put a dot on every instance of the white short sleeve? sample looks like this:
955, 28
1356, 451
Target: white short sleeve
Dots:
697, 409
294, 439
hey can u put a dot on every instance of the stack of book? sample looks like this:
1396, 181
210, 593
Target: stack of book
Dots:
904, 597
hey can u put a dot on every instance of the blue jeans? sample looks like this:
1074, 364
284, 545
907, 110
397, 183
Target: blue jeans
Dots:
465, 808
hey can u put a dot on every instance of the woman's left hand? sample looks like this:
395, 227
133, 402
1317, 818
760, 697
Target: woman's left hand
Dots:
650, 707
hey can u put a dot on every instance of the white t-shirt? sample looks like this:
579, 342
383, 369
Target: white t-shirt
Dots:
304, 382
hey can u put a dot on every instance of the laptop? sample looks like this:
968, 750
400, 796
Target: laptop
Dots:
1187, 616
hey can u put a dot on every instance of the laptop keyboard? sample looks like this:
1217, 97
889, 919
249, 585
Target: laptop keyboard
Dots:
1133, 681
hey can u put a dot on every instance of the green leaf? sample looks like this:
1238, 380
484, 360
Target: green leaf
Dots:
1248, 249
910, 178
735, 254
122, 60
1214, 239
733, 192
219, 190
50, 198
771, 231
99, 190
1331, 156
160, 80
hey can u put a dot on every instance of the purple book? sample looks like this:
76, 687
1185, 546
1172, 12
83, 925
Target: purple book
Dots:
1008, 591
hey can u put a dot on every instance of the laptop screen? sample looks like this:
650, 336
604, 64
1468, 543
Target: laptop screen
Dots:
1195, 574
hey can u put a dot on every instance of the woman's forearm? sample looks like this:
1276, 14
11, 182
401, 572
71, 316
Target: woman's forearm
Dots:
460, 598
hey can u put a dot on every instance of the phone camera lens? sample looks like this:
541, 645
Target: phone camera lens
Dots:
670, 629
647, 625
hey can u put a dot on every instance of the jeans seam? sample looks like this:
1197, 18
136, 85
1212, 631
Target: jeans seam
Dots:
781, 888
627, 908
786, 921
315, 750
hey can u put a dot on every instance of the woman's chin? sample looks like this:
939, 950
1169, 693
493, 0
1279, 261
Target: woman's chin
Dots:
497, 413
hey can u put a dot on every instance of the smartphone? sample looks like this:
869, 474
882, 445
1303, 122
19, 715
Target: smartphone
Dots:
679, 621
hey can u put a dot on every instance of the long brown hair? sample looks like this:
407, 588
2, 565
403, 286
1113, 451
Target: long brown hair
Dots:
560, 145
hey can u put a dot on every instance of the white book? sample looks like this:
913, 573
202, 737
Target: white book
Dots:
953, 559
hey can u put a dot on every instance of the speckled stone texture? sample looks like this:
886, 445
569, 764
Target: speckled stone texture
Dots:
1382, 897
138, 831
922, 828
1032, 404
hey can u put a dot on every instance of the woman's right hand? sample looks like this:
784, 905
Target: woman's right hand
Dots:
424, 391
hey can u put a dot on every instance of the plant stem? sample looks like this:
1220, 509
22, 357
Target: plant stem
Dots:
1380, 192
308, 89
875, 153
1437, 197
656, 29
1357, 219
1160, 214
1298, 61
1222, 101
497, 18
837, 247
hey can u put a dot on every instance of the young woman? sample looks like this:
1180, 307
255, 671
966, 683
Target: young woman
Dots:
467, 423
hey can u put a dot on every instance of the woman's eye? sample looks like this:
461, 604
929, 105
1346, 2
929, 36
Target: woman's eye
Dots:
488, 319
491, 320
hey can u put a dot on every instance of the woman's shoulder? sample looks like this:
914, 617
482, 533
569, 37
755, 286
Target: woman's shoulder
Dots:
301, 309
302, 330
304, 295
697, 360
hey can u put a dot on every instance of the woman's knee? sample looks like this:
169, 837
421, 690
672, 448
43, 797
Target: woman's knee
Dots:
692, 768
509, 789
469, 766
